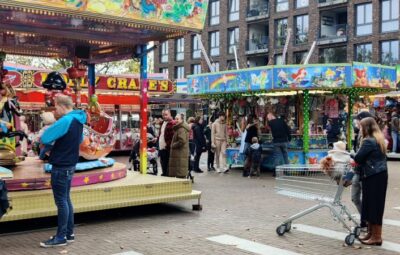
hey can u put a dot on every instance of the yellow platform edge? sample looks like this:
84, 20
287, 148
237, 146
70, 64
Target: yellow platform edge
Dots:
134, 190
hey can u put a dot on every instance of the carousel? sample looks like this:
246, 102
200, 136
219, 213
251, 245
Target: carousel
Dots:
88, 33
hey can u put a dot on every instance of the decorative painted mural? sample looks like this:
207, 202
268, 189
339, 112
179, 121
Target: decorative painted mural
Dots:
373, 76
185, 13
240, 81
321, 76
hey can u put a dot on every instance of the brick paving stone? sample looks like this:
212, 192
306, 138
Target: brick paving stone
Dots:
233, 205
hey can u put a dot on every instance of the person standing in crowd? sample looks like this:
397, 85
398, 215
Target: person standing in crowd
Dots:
200, 142
280, 138
253, 152
210, 149
24, 128
371, 158
66, 134
394, 127
190, 122
178, 163
164, 140
252, 130
219, 139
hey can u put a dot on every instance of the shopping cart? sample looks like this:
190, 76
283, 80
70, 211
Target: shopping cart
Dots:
310, 182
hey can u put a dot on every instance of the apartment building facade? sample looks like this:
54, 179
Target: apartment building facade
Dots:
344, 31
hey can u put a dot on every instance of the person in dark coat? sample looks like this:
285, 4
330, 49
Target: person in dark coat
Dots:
210, 150
252, 130
371, 160
200, 142
178, 164
253, 152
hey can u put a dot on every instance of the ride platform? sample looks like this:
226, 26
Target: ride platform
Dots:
134, 190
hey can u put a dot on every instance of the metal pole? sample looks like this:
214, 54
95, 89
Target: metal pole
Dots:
143, 109
205, 53
350, 103
306, 120
92, 79
310, 52
289, 31
236, 57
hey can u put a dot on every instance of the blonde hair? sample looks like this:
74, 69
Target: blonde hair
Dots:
65, 101
47, 118
371, 129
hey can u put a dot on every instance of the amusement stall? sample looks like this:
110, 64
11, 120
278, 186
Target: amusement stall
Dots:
88, 33
309, 98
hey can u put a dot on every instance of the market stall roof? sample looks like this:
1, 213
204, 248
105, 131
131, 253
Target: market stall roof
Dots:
108, 30
359, 78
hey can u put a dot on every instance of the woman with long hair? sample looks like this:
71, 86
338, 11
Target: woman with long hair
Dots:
371, 158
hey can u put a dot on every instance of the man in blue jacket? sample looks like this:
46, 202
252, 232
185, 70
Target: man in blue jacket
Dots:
66, 134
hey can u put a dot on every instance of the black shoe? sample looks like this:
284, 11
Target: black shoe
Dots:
212, 168
209, 169
199, 171
53, 242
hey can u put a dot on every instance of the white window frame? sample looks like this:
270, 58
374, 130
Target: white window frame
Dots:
180, 72
282, 5
392, 43
233, 39
389, 18
234, 6
196, 51
214, 12
214, 43
196, 69
302, 3
180, 49
164, 52
302, 32
365, 20
363, 47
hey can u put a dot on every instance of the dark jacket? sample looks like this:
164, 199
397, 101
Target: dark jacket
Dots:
280, 131
207, 134
370, 158
4, 205
67, 135
252, 131
254, 153
199, 138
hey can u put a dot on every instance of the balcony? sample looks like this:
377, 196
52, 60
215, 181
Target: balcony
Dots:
257, 45
333, 34
257, 12
324, 3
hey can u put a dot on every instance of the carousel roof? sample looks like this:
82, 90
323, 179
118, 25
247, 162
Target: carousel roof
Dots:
111, 29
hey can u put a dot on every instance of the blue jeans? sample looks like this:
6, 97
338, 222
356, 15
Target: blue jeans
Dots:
395, 139
61, 178
280, 150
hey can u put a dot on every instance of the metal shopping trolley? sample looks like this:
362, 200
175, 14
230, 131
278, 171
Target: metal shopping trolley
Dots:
310, 182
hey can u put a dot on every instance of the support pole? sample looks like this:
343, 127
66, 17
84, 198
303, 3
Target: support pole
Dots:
350, 103
306, 120
92, 79
143, 109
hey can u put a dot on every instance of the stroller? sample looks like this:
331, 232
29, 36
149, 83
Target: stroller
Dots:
152, 155
192, 154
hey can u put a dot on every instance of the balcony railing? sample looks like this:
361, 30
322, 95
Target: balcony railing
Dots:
257, 45
322, 3
257, 11
333, 34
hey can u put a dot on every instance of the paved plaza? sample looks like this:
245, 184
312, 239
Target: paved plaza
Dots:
239, 216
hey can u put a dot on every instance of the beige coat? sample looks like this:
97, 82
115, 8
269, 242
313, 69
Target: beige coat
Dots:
219, 131
179, 154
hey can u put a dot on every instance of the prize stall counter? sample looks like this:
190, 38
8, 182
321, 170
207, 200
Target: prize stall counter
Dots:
318, 149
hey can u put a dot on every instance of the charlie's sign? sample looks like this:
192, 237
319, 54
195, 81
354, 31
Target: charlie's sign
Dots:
34, 79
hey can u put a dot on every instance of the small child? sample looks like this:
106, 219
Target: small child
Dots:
48, 120
254, 153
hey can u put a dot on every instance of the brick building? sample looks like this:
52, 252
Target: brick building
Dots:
344, 31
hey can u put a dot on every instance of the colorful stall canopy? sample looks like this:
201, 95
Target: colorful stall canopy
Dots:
96, 30
295, 77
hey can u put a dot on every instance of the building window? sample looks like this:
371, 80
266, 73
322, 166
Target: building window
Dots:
301, 29
281, 32
196, 69
164, 52
301, 3
333, 55
278, 59
196, 51
364, 53
164, 70
179, 72
299, 57
214, 43
214, 12
216, 66
282, 5
233, 39
364, 19
180, 49
390, 52
390, 15
233, 10
231, 65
